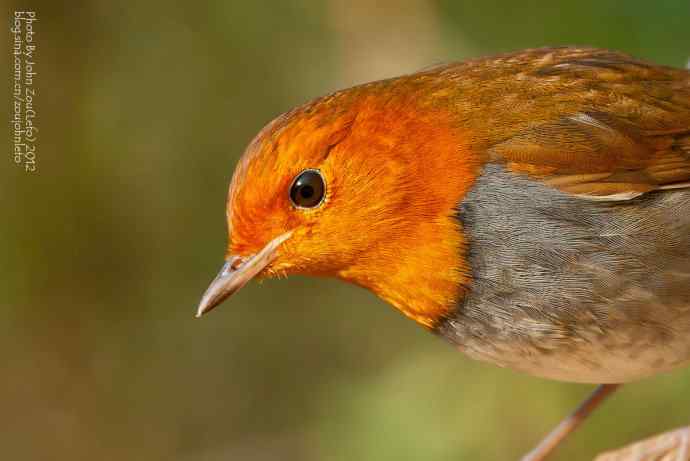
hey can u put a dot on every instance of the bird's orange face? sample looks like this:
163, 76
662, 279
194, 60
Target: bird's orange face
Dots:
289, 181
339, 188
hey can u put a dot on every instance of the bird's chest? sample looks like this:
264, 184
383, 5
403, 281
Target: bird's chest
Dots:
572, 289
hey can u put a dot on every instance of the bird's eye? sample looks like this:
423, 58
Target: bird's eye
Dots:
308, 189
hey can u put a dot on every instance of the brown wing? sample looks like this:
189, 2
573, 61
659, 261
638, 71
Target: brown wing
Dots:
598, 124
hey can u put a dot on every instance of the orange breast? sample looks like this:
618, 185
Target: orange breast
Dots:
417, 263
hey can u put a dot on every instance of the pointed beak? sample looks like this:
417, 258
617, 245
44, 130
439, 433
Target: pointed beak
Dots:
236, 272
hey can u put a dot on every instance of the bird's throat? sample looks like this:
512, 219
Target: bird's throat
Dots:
424, 278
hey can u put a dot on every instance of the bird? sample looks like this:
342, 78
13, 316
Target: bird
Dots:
531, 208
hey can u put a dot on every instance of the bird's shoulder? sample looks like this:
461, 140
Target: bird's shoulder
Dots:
593, 123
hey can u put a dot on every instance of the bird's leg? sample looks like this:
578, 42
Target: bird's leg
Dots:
569, 424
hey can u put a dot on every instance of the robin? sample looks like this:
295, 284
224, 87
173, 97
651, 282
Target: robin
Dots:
531, 208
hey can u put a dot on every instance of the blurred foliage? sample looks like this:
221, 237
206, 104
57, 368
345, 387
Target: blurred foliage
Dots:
144, 108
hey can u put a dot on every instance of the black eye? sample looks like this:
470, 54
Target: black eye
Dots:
308, 189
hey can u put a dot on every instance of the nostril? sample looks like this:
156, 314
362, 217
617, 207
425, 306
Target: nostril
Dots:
231, 265
236, 262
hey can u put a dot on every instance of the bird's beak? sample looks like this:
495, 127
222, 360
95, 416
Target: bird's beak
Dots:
236, 272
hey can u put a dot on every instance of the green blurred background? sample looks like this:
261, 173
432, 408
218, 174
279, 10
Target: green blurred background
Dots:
144, 109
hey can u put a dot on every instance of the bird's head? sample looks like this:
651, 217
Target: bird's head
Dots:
361, 185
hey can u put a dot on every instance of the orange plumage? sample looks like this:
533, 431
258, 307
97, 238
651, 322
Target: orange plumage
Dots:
399, 155
375, 173
532, 208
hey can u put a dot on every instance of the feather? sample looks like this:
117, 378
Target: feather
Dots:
593, 123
